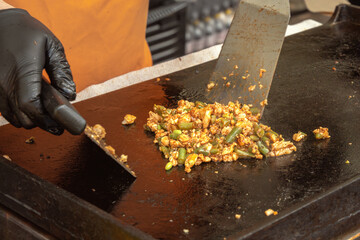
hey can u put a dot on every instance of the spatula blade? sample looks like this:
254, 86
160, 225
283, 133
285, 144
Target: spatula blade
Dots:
248, 58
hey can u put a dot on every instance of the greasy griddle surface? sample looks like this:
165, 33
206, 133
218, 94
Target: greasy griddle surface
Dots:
306, 93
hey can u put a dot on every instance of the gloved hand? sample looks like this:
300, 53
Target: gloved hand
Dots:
26, 48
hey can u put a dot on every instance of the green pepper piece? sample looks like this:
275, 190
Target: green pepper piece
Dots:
186, 125
175, 134
259, 130
163, 126
165, 151
214, 151
224, 122
266, 141
262, 148
243, 154
168, 166
254, 138
230, 138
182, 155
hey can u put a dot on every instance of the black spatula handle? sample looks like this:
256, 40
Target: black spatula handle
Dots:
61, 110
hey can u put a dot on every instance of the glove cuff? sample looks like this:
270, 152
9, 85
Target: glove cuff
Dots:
13, 10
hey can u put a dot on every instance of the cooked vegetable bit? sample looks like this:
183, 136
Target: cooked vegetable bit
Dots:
128, 119
321, 133
299, 136
195, 133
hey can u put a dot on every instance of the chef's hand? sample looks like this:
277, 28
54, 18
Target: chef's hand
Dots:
26, 48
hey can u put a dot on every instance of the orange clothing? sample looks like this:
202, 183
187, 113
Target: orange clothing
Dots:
102, 38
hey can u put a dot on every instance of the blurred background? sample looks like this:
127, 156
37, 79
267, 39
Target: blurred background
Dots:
179, 27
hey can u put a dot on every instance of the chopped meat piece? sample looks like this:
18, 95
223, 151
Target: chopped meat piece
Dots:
128, 119
263, 103
321, 133
270, 212
252, 88
110, 149
210, 85
99, 131
297, 137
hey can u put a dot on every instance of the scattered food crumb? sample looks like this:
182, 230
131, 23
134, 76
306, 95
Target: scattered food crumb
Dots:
128, 119
7, 157
99, 131
231, 74
167, 79
216, 172
210, 224
261, 72
299, 136
334, 68
224, 78
93, 189
171, 220
110, 149
236, 67
123, 158
261, 86
158, 79
243, 77
237, 216
186, 231
347, 162
252, 88
336, 62
210, 85
270, 212
350, 144
263, 103
30, 140
183, 179
171, 180
350, 97
228, 84
321, 133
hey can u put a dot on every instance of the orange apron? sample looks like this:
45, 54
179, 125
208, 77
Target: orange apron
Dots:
102, 38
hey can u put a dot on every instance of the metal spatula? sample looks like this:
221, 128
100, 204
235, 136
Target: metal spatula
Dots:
248, 58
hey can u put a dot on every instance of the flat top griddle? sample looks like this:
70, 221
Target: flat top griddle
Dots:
306, 93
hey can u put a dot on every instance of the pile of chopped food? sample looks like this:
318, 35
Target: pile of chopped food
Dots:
198, 132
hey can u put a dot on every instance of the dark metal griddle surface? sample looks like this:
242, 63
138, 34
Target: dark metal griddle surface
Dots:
306, 93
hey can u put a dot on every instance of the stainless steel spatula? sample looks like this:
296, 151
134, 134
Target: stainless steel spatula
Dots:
248, 58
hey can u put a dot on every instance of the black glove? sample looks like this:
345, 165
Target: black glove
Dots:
26, 48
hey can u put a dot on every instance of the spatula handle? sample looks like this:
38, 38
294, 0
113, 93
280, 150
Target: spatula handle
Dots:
61, 110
